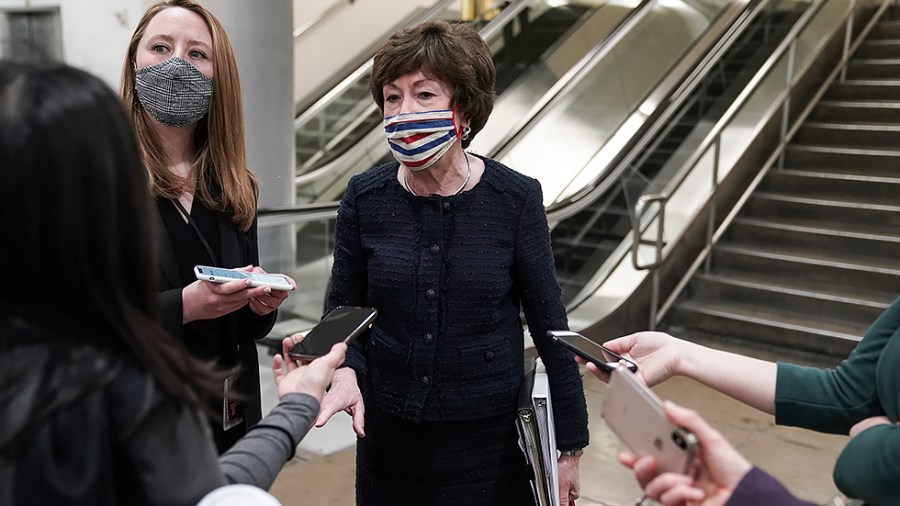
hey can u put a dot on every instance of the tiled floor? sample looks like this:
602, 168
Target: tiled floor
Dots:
322, 474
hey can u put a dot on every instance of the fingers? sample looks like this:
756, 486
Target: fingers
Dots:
359, 420
621, 345
690, 420
286, 344
277, 369
672, 489
645, 470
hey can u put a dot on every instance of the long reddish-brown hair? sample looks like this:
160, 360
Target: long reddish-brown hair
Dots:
224, 182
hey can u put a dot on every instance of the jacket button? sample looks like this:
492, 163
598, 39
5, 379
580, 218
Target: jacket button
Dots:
429, 337
446, 206
435, 249
425, 380
430, 294
488, 356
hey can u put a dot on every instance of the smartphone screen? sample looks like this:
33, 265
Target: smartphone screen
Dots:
222, 273
599, 355
635, 414
343, 324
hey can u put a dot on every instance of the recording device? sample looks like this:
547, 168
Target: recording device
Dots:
343, 324
599, 355
219, 275
635, 414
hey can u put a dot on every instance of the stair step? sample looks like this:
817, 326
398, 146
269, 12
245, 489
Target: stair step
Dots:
885, 29
775, 295
877, 249
873, 111
879, 49
884, 162
864, 189
859, 68
865, 89
848, 134
766, 326
812, 267
833, 214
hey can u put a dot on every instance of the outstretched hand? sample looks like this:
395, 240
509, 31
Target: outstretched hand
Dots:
312, 378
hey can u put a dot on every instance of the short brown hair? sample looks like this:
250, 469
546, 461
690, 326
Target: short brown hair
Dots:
450, 52
221, 160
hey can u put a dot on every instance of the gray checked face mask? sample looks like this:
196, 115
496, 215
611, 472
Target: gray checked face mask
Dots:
174, 92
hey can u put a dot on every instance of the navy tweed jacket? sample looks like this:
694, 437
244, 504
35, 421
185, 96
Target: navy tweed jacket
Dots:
450, 277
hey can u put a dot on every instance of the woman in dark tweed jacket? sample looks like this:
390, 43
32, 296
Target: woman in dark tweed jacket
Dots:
450, 247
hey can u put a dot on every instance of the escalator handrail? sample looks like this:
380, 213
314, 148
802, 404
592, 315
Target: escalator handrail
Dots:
573, 76
673, 184
354, 76
659, 105
506, 15
271, 216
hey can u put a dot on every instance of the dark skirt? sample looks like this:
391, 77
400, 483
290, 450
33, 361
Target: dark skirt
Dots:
472, 463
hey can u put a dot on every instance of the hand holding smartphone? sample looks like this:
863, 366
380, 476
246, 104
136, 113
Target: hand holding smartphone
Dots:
597, 354
343, 324
635, 414
219, 275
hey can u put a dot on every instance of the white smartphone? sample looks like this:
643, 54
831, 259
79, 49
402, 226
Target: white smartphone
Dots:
636, 416
219, 275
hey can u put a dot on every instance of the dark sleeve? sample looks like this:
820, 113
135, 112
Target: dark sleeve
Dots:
348, 284
758, 488
535, 277
869, 466
253, 325
257, 458
169, 446
172, 312
834, 400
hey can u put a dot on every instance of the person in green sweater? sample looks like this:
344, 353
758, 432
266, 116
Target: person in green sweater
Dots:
860, 397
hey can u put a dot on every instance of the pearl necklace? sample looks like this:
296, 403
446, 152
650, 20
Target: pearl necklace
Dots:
458, 190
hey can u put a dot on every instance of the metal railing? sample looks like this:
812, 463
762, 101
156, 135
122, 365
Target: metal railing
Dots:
644, 219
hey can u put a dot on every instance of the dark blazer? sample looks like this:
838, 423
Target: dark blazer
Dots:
449, 277
237, 346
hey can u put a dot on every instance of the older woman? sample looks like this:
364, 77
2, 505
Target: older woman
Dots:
449, 247
181, 86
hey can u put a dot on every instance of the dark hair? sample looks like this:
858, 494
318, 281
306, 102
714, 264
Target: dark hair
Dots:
450, 52
78, 224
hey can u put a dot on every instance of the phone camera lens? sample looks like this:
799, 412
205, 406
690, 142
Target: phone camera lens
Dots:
678, 439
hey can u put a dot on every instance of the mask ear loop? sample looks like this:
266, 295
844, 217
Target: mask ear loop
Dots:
462, 132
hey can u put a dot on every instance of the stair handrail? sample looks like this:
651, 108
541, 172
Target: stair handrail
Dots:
328, 12
713, 140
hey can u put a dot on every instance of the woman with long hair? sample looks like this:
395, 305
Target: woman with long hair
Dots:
100, 403
180, 84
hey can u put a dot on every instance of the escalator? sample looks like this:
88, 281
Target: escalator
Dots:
583, 242
342, 135
310, 232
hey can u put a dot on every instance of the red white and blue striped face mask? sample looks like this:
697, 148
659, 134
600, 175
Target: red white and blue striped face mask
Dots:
418, 139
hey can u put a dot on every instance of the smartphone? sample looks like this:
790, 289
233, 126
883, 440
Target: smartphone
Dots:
635, 414
343, 324
597, 354
219, 275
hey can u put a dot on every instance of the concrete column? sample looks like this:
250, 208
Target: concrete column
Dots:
261, 33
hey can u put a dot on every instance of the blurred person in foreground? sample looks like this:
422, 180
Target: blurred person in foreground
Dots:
100, 404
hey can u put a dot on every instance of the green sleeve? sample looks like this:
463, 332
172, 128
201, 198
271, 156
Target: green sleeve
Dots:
833, 400
869, 466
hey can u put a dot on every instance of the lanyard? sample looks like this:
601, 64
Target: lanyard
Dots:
190, 220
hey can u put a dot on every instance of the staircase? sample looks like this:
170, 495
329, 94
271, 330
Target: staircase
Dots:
814, 256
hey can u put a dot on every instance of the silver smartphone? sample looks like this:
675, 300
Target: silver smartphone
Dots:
635, 414
220, 275
343, 324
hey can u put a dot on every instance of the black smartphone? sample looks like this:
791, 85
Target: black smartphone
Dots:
343, 324
599, 355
